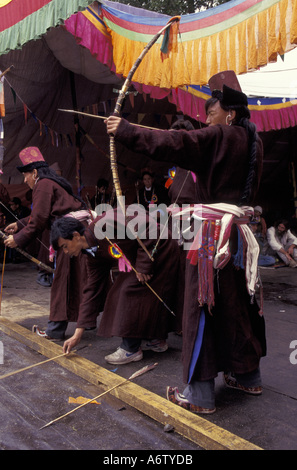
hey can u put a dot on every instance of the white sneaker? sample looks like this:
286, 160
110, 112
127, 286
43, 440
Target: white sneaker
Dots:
120, 356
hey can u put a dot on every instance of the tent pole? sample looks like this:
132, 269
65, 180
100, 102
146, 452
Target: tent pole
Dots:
77, 135
294, 187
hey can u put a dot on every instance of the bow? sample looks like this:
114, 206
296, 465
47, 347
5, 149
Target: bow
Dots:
122, 93
5, 71
27, 255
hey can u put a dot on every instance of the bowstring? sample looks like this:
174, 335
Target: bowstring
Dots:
188, 172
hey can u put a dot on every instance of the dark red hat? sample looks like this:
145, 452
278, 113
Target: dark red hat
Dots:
227, 82
31, 158
228, 77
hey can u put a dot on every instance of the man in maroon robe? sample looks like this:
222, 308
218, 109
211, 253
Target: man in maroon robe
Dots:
227, 159
52, 197
132, 310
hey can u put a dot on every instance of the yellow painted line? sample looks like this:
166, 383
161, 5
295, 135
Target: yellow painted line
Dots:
193, 427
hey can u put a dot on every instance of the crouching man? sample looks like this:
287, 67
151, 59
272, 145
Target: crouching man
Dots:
131, 310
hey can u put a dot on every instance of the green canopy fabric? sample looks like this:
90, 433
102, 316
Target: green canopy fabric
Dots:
22, 21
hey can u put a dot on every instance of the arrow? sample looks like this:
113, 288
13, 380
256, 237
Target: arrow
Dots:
101, 117
133, 376
33, 365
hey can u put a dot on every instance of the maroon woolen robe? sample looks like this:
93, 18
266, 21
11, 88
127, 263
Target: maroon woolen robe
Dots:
4, 197
49, 202
130, 308
234, 337
183, 190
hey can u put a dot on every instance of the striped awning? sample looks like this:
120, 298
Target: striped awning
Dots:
24, 20
240, 35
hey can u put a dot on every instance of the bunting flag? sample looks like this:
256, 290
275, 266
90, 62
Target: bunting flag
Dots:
22, 21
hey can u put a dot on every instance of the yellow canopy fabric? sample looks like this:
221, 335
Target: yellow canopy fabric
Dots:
240, 35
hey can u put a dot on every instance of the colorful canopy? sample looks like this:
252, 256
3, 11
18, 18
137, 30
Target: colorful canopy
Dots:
23, 20
48, 73
239, 35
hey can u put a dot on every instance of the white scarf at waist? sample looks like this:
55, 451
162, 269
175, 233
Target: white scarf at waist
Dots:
83, 215
227, 215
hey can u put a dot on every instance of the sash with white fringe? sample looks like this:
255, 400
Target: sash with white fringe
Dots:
210, 249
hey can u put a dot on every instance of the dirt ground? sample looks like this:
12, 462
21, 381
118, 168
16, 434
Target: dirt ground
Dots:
33, 398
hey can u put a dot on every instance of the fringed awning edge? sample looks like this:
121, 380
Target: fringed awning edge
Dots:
91, 32
254, 37
37, 23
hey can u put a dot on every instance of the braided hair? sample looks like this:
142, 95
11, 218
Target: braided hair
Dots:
242, 119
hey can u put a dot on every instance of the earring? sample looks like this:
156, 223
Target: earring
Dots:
230, 122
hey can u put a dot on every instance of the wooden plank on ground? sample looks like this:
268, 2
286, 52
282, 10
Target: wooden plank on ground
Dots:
193, 427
